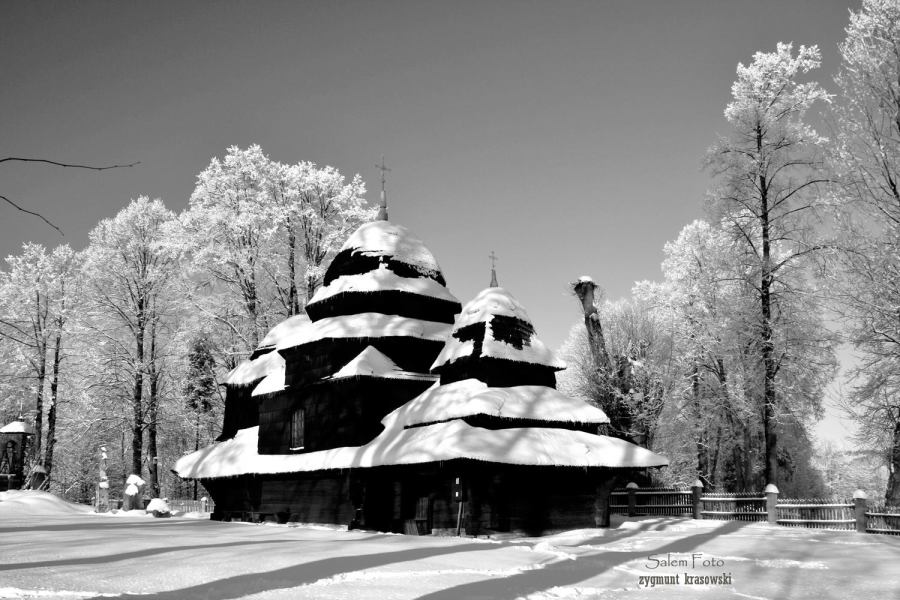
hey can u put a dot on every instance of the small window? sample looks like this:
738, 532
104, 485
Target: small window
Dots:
298, 429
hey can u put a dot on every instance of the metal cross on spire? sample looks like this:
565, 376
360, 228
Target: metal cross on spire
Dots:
382, 209
493, 258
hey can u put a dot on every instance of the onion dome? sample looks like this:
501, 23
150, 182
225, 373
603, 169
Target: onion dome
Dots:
494, 341
384, 268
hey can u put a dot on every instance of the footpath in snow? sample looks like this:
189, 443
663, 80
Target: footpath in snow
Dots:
53, 549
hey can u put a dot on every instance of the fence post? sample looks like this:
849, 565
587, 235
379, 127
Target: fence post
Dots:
632, 500
696, 492
771, 503
859, 505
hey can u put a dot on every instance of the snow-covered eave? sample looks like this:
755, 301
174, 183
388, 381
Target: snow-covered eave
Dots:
367, 326
440, 367
251, 372
404, 375
382, 279
433, 443
471, 397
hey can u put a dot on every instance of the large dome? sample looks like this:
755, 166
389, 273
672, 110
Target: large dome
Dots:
382, 242
384, 268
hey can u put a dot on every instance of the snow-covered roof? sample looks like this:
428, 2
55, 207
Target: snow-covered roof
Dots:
471, 397
284, 330
382, 279
371, 362
366, 325
273, 382
381, 238
488, 304
451, 440
17, 427
251, 371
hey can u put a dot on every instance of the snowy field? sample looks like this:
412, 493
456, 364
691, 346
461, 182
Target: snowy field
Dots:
51, 549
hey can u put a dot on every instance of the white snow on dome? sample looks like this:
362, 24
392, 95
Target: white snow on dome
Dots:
471, 397
366, 325
17, 427
271, 383
382, 279
284, 330
381, 238
439, 442
374, 363
488, 303
251, 371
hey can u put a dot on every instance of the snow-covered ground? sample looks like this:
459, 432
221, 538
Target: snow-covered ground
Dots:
52, 549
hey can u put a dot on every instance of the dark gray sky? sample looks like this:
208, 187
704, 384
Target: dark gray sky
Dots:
565, 136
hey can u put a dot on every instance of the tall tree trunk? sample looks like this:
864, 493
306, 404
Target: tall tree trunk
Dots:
196, 446
40, 339
54, 402
892, 496
153, 411
767, 348
137, 398
702, 441
39, 400
293, 296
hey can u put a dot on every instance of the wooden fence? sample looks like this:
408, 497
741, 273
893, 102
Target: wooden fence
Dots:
191, 505
818, 513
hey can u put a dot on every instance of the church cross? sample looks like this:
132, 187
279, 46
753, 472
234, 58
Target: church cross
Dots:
493, 258
382, 210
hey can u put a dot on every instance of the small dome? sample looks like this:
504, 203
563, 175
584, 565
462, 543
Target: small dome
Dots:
495, 325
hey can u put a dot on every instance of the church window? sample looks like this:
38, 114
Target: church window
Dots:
298, 429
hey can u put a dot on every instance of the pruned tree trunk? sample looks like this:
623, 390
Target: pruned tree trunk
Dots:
153, 410
584, 290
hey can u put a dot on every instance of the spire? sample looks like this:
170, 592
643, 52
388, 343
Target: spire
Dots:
382, 209
493, 258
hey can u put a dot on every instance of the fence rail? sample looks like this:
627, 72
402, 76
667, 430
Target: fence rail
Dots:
815, 513
191, 505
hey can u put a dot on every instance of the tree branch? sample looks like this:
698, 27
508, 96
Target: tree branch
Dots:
25, 210
66, 165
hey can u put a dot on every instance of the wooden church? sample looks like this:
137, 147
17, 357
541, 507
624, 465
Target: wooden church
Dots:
392, 407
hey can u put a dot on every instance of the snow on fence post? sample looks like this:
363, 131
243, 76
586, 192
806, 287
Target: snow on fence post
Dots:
859, 502
697, 491
632, 488
772, 503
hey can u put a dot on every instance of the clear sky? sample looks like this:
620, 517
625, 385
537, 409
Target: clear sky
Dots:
565, 136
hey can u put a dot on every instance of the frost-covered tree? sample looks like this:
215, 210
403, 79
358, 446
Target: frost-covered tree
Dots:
866, 160
36, 299
259, 231
769, 173
130, 267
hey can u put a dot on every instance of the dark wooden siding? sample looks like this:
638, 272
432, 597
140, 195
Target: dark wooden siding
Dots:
389, 302
311, 362
498, 497
241, 410
339, 412
497, 372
